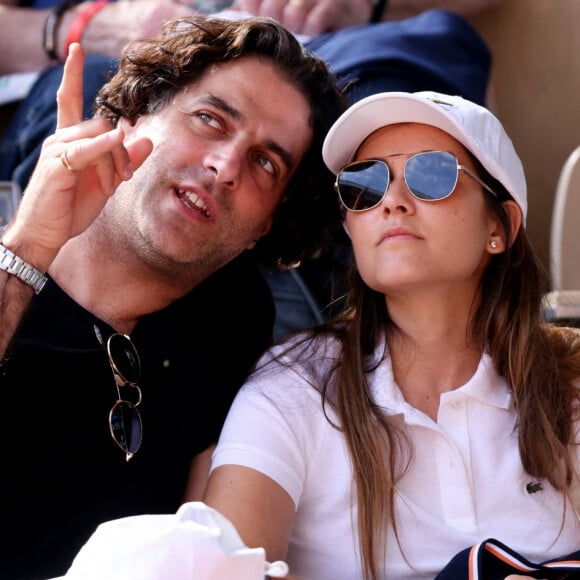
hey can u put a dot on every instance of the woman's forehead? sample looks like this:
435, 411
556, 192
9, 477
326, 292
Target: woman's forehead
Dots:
408, 138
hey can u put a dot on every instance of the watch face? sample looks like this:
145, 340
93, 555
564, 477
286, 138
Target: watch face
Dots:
9, 198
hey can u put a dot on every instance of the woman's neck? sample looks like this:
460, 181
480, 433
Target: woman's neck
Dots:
430, 350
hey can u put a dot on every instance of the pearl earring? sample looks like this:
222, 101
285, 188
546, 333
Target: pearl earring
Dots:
493, 244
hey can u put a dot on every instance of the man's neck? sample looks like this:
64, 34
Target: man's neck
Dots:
110, 280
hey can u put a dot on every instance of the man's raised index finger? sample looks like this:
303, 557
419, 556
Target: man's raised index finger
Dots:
69, 97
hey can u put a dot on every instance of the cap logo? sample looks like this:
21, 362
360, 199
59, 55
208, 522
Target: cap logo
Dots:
440, 102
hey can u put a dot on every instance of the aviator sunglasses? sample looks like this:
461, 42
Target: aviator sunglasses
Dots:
124, 419
429, 176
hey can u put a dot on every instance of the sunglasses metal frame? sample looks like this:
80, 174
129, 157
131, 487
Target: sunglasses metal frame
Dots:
382, 161
122, 381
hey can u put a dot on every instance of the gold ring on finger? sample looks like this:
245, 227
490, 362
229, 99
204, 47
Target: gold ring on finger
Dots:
64, 160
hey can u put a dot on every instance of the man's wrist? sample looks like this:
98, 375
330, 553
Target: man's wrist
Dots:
16, 266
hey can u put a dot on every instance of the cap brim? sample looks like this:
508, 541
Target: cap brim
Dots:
372, 113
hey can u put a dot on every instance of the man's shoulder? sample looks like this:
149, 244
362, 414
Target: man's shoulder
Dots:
236, 284
235, 300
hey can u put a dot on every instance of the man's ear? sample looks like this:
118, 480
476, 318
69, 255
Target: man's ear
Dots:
138, 148
126, 124
265, 228
260, 234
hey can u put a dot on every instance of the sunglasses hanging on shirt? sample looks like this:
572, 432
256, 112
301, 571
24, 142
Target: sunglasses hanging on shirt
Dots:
125, 423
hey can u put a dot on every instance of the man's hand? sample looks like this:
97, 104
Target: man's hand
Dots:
60, 202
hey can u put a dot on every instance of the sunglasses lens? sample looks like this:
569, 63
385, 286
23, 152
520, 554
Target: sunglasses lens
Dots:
124, 358
125, 425
362, 185
431, 176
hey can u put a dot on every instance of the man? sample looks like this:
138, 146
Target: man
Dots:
205, 144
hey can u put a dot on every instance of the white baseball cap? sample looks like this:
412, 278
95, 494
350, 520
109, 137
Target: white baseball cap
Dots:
474, 126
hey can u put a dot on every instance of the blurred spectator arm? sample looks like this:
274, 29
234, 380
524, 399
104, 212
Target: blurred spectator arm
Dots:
107, 32
313, 17
398, 9
21, 41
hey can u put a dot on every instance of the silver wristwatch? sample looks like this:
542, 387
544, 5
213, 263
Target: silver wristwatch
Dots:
11, 263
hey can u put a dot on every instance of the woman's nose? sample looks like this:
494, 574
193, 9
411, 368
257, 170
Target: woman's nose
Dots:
398, 197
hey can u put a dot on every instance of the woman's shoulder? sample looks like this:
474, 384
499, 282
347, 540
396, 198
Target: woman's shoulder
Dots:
305, 358
305, 349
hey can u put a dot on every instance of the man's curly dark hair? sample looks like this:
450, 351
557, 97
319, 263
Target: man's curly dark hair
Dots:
152, 71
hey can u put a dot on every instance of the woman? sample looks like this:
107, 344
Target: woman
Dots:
439, 410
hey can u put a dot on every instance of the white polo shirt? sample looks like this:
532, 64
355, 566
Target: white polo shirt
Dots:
465, 483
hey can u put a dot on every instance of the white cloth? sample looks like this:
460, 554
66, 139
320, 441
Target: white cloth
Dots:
465, 484
195, 543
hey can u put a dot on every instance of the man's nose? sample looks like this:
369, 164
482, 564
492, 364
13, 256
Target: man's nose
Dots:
226, 161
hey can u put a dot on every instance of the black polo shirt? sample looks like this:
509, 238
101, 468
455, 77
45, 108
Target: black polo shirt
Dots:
62, 474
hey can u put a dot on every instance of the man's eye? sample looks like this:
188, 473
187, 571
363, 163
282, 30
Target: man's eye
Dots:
209, 119
266, 163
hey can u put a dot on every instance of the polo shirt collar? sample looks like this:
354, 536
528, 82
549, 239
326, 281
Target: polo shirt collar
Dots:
486, 386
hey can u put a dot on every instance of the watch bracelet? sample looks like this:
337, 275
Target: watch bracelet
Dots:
11, 263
